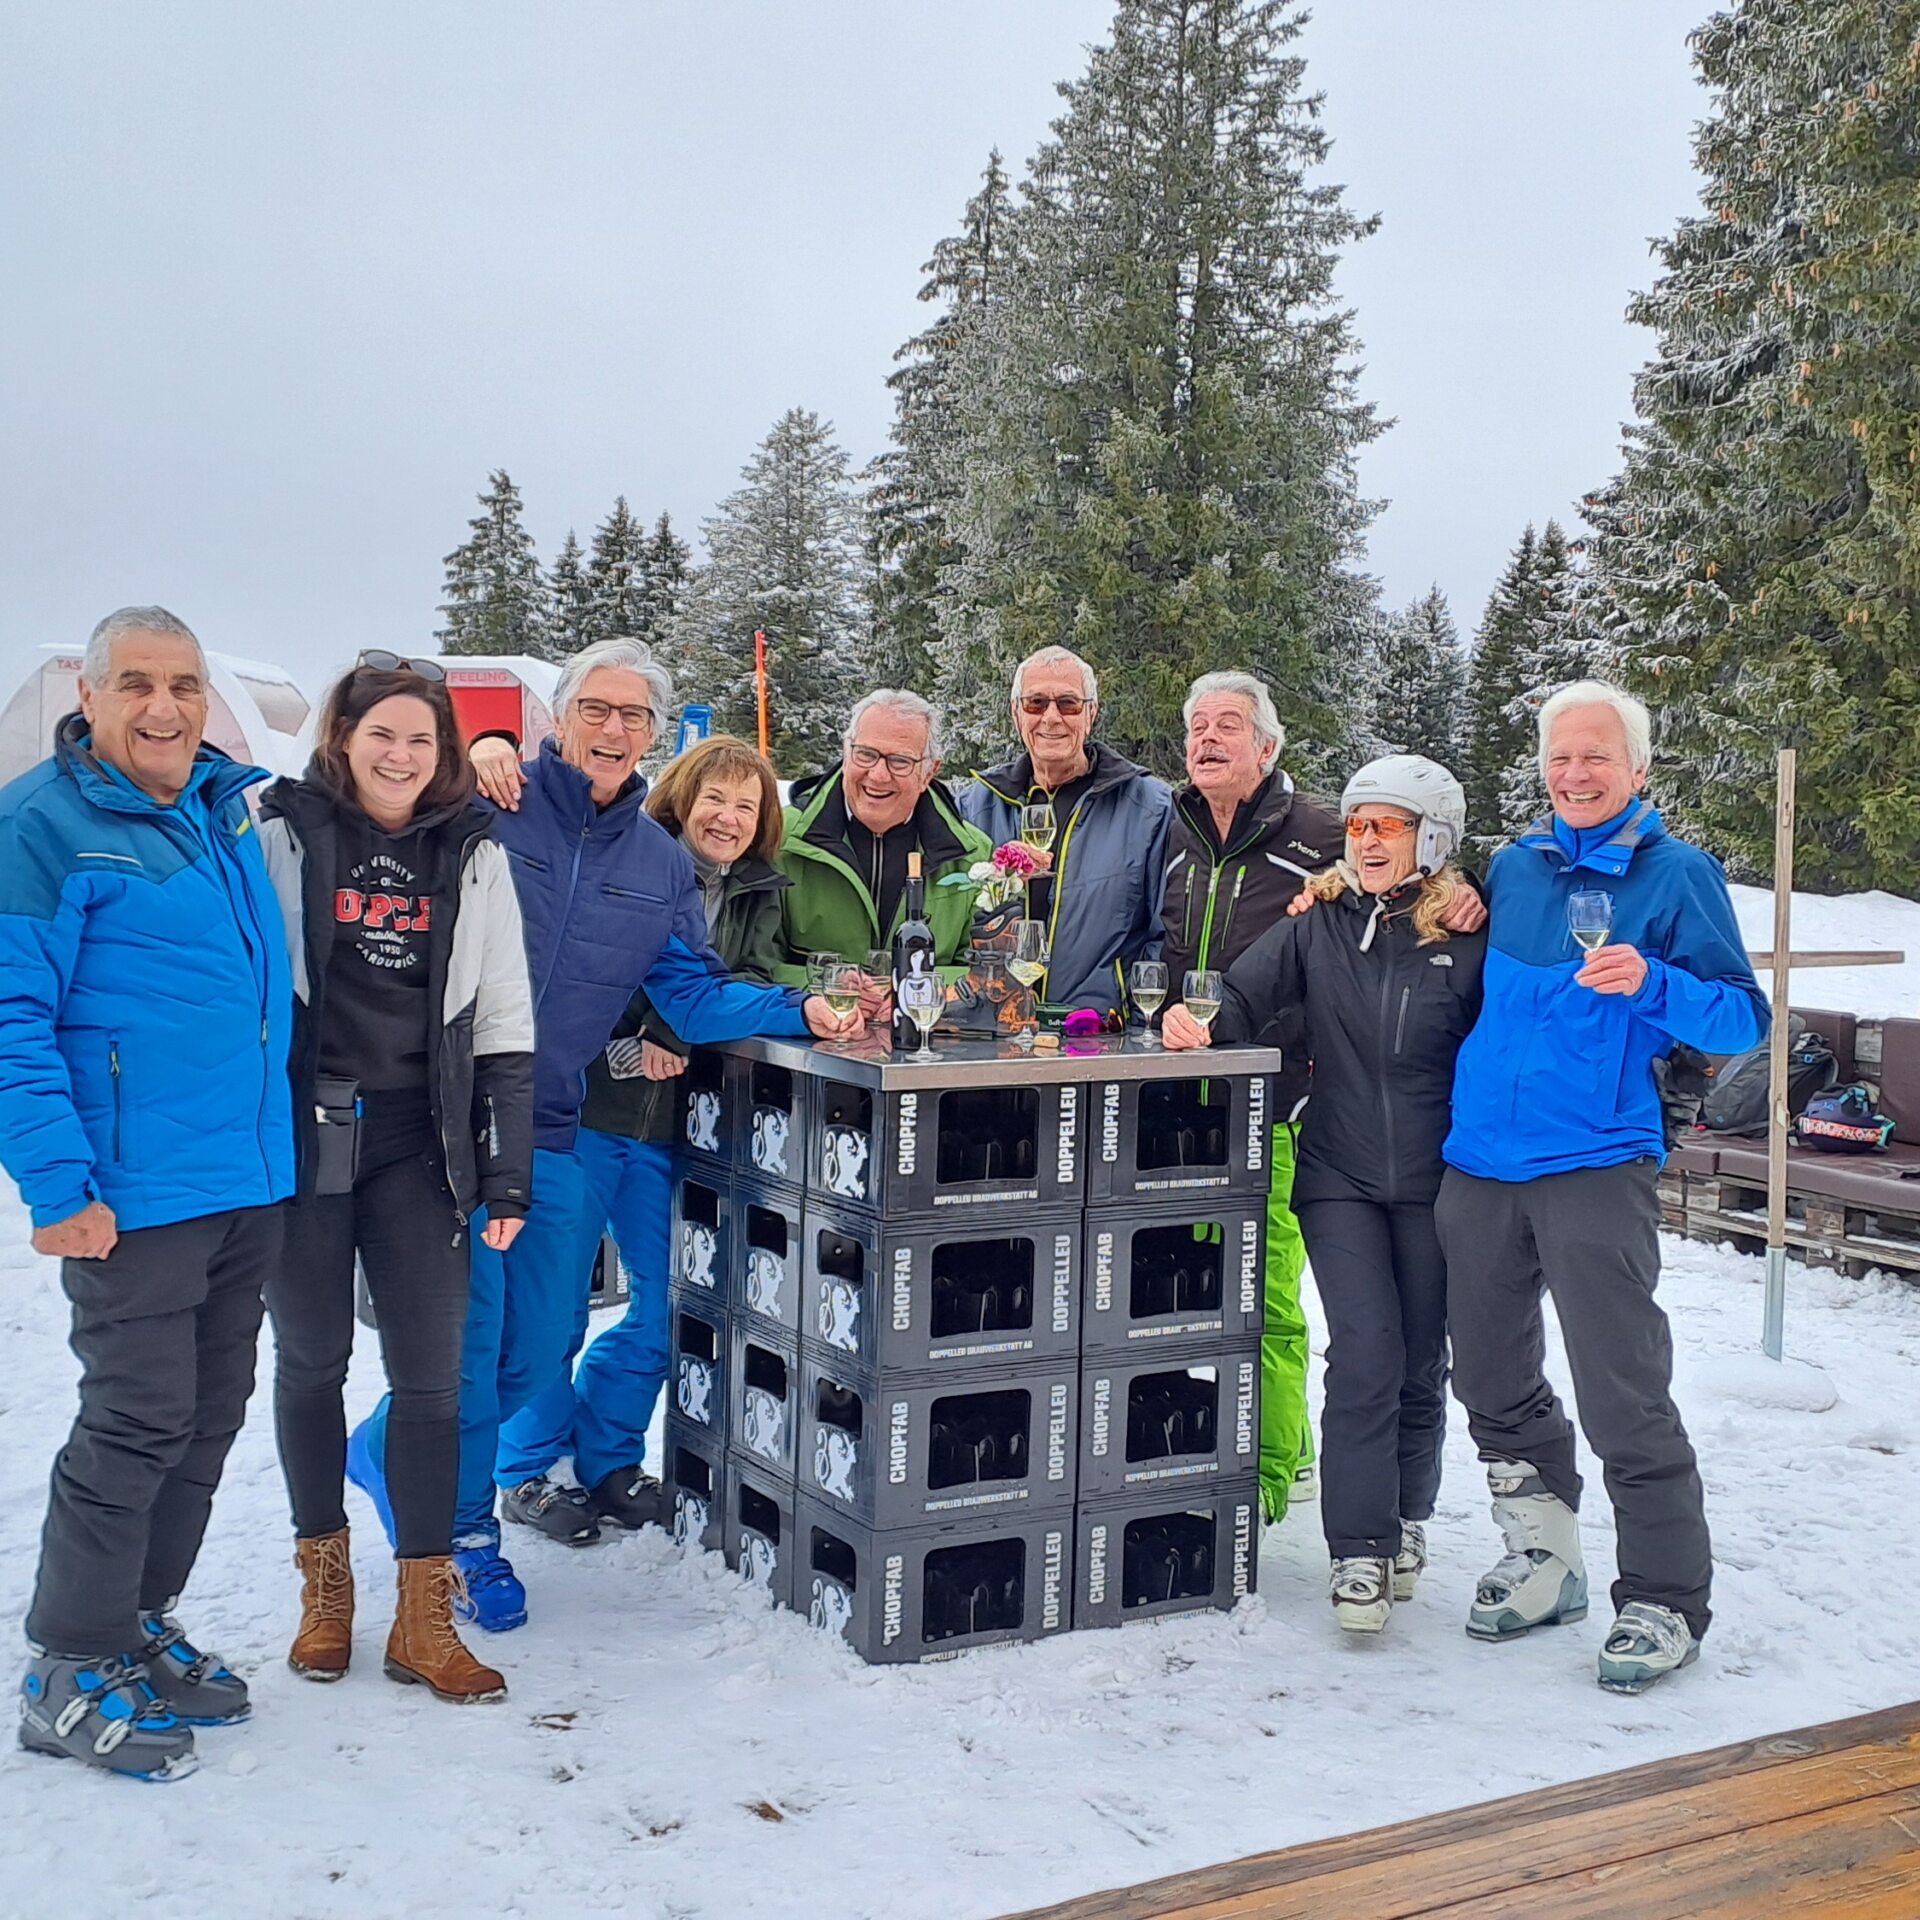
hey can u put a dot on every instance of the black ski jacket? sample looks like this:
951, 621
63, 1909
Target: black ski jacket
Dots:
1382, 1027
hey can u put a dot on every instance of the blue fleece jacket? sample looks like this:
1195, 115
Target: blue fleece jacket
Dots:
1555, 1076
145, 1001
610, 904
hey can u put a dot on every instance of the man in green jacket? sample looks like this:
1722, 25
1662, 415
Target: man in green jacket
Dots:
849, 832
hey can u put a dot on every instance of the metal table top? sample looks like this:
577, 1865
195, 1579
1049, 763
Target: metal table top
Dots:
960, 1063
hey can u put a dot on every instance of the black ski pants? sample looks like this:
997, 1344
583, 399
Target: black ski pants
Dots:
401, 1220
165, 1329
1383, 1285
1591, 1238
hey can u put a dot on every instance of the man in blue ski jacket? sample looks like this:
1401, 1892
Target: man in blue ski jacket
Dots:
610, 903
145, 1113
1556, 1147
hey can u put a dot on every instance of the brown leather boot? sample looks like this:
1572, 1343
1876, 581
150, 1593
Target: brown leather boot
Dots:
423, 1649
324, 1644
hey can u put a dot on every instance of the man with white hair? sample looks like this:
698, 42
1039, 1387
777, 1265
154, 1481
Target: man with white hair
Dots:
1102, 897
145, 1111
849, 833
1610, 943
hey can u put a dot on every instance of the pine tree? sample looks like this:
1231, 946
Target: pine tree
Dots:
665, 561
572, 602
496, 599
784, 554
617, 576
1420, 682
1491, 740
1555, 645
1758, 560
1155, 418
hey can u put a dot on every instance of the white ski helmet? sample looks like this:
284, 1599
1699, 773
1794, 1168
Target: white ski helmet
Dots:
1419, 786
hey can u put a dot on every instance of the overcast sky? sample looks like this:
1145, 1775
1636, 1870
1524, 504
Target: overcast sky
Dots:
280, 284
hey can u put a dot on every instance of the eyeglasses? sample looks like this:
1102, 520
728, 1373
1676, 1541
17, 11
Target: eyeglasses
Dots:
634, 719
1387, 830
898, 764
1035, 704
383, 662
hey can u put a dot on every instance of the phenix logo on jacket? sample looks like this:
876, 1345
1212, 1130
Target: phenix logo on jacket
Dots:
1555, 1076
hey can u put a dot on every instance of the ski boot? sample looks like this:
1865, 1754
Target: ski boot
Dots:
1646, 1644
629, 1498
1541, 1581
201, 1688
104, 1713
561, 1513
489, 1594
1411, 1561
1362, 1594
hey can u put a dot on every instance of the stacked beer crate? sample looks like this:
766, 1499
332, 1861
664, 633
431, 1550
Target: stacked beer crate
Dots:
969, 1364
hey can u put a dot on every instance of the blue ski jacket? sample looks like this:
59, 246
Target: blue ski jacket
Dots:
146, 1006
1555, 1076
611, 904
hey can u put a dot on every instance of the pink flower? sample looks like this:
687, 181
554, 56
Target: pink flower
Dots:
1016, 859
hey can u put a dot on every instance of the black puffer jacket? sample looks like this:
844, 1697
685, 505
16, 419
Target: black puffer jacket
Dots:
1382, 1027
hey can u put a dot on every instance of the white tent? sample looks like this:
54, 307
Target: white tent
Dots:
255, 712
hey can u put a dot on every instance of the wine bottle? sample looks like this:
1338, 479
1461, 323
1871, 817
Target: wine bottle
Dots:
913, 951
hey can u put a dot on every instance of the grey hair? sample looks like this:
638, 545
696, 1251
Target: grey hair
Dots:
630, 656
897, 700
98, 662
1597, 693
1266, 722
1058, 657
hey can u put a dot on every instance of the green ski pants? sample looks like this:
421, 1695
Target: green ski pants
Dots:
1286, 1438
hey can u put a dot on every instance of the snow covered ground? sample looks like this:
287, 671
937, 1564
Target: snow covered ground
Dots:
672, 1750
1847, 923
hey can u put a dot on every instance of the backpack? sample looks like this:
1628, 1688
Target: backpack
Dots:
1843, 1120
1736, 1097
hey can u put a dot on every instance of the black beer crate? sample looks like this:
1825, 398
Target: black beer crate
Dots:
970, 1150
763, 1396
928, 1593
700, 1258
767, 1284
1153, 1139
772, 1112
1151, 1420
705, 1101
971, 1290
1168, 1551
695, 1479
1192, 1271
758, 1541
894, 1450
698, 1345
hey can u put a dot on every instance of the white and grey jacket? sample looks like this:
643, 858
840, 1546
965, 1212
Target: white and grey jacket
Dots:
480, 1049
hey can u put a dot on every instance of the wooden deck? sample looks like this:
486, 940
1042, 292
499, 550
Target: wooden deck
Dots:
1823, 1822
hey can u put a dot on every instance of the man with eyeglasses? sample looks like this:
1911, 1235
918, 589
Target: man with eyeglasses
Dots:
610, 903
1102, 902
849, 832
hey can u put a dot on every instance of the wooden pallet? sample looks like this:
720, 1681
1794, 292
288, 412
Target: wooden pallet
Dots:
1822, 1231
1824, 1822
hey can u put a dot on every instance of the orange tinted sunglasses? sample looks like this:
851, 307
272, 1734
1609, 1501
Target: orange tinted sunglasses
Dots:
1388, 830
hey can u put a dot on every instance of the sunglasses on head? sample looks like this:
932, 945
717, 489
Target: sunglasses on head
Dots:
383, 662
1035, 704
1380, 829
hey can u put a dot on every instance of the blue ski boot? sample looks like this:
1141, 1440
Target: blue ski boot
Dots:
103, 1713
201, 1688
494, 1598
365, 1472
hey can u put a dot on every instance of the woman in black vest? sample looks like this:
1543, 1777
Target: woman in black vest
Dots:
1388, 995
413, 1099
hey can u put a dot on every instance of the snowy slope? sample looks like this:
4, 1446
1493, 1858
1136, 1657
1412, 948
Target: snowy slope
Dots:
1847, 923
671, 1750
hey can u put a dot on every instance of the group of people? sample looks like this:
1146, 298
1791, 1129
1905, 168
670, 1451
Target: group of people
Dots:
419, 1009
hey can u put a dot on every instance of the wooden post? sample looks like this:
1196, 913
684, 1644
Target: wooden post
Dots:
1773, 1326
760, 683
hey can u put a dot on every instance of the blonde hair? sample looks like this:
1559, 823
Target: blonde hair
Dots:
1438, 891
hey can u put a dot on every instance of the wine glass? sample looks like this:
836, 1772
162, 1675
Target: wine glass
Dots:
1028, 961
989, 963
1148, 980
921, 998
842, 983
1590, 919
1200, 992
880, 965
817, 965
1038, 826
